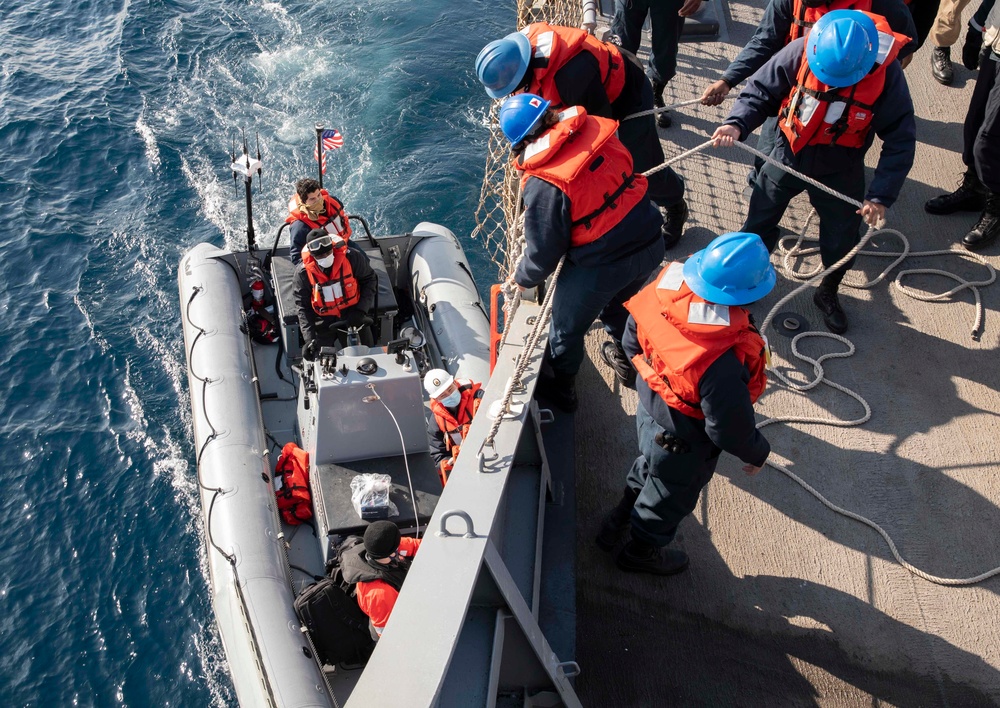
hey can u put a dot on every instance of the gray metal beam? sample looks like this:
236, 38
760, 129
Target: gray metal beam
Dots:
449, 586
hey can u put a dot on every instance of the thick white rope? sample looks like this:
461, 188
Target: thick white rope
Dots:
820, 375
817, 364
524, 358
664, 109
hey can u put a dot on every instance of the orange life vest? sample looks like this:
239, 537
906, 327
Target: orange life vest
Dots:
333, 293
681, 335
291, 484
456, 427
803, 18
582, 157
817, 114
552, 46
333, 214
377, 598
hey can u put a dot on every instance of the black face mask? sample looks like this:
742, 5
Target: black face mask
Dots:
813, 4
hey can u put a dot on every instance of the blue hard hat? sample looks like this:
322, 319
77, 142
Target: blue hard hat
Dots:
520, 114
734, 269
501, 64
842, 47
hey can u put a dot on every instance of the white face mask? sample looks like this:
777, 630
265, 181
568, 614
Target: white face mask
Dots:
325, 262
451, 400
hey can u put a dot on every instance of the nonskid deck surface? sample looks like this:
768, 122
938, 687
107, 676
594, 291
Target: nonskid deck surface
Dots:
785, 602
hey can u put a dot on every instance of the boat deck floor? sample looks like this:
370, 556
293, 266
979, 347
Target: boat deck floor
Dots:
786, 602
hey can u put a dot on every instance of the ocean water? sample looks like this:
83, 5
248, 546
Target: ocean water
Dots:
116, 119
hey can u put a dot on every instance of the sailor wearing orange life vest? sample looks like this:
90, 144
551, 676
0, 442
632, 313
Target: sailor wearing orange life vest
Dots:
453, 404
701, 368
583, 200
569, 67
312, 207
333, 283
785, 21
833, 93
379, 567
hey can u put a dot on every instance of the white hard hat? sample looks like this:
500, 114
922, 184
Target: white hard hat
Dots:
436, 381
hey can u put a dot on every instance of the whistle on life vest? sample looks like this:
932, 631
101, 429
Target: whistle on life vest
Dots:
767, 353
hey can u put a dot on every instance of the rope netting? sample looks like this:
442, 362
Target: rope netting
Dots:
498, 199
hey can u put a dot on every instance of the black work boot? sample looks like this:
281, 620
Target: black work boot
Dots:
987, 228
825, 298
560, 390
615, 357
941, 67
638, 557
970, 196
617, 522
662, 119
674, 218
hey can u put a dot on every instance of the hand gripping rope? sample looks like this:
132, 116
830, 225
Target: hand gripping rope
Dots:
810, 278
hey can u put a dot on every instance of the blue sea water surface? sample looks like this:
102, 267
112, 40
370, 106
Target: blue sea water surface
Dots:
115, 123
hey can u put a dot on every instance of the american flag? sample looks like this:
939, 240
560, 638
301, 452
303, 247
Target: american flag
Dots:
332, 139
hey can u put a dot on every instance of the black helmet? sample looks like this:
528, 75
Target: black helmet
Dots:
381, 539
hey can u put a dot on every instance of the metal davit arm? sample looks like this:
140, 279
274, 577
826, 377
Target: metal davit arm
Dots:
465, 627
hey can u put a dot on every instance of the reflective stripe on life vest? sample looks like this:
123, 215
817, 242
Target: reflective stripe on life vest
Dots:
817, 114
681, 335
552, 46
583, 158
333, 293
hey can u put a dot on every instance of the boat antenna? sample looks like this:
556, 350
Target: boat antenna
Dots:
319, 152
260, 174
245, 166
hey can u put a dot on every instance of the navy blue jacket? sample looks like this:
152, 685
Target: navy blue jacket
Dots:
729, 421
777, 23
367, 288
579, 83
547, 234
893, 122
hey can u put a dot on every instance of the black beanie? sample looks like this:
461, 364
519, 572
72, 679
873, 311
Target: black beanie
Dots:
381, 539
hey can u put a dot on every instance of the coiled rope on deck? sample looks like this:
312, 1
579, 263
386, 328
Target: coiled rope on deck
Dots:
810, 278
817, 364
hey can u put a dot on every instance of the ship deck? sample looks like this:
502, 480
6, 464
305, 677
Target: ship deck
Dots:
786, 602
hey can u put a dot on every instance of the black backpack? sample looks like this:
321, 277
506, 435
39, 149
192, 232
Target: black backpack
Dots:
338, 627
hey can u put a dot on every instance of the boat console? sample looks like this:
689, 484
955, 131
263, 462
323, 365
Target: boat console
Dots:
347, 431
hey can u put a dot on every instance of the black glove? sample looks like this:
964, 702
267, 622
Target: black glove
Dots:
971, 49
355, 317
309, 350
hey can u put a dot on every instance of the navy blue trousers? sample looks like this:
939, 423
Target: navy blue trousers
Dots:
665, 25
586, 294
668, 484
982, 126
774, 188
